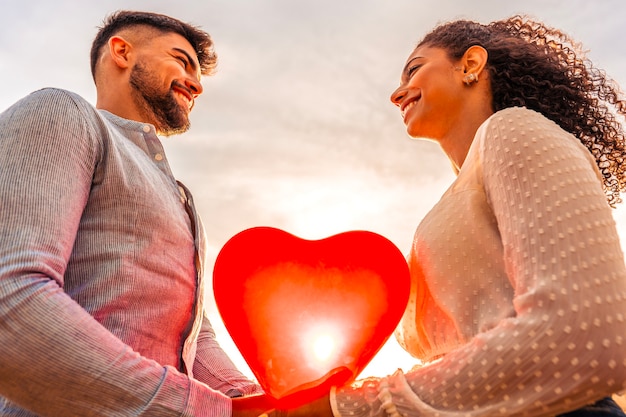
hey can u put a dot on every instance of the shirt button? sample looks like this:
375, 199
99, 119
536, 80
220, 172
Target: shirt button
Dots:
146, 128
158, 157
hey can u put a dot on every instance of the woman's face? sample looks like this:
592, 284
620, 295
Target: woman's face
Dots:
430, 93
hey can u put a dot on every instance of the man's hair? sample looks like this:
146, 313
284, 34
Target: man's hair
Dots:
124, 19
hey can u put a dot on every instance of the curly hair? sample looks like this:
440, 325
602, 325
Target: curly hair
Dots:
543, 69
200, 41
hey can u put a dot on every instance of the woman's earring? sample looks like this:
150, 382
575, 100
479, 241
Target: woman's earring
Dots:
470, 78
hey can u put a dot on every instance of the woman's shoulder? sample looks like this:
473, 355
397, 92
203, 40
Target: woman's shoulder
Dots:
513, 135
518, 116
515, 124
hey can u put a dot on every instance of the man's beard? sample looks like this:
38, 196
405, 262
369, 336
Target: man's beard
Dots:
164, 110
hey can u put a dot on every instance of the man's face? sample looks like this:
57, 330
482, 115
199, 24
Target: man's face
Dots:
165, 81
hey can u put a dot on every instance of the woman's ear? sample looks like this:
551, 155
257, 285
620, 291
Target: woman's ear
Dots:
474, 60
120, 51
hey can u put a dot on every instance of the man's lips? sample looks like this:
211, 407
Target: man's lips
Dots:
185, 95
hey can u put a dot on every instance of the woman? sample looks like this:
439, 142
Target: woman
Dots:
518, 299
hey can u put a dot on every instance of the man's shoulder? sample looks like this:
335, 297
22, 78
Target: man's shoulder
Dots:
55, 110
58, 96
54, 104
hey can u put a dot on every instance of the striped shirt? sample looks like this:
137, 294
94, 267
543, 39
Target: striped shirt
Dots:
100, 280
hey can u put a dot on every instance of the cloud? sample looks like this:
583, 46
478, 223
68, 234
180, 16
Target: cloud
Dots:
296, 129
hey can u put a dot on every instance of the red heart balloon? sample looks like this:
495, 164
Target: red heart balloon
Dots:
309, 314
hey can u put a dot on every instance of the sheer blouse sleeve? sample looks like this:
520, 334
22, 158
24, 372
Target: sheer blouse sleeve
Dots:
564, 346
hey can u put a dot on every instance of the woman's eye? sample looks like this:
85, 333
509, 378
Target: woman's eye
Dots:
411, 70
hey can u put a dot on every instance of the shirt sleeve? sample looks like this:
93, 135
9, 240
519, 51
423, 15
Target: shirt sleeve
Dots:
213, 367
56, 359
564, 346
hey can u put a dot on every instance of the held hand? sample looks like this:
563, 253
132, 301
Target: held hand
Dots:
317, 408
252, 405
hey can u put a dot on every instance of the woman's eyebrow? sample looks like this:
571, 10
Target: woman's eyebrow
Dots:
406, 67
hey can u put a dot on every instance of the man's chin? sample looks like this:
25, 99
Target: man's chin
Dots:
174, 128
170, 131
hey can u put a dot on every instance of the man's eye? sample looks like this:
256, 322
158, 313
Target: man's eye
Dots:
183, 61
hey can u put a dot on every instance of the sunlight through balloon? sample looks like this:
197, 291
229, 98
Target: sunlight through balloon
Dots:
309, 314
323, 347
323, 343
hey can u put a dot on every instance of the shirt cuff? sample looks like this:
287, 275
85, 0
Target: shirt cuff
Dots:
333, 402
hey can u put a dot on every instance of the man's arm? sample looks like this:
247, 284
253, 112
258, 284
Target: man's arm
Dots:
57, 359
213, 367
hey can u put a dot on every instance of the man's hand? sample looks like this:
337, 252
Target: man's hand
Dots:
316, 408
252, 405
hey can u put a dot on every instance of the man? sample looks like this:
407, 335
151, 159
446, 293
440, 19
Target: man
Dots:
101, 250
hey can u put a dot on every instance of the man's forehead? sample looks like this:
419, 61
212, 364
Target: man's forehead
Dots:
147, 35
175, 40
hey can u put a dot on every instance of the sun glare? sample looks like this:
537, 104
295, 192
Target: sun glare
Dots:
322, 344
323, 347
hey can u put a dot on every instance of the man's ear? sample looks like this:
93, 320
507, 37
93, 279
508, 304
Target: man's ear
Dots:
474, 59
120, 51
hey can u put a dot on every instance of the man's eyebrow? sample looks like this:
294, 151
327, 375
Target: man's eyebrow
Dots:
192, 62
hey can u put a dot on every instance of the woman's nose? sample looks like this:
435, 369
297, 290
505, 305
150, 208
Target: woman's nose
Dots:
397, 96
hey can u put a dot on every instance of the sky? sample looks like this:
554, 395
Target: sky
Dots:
296, 130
